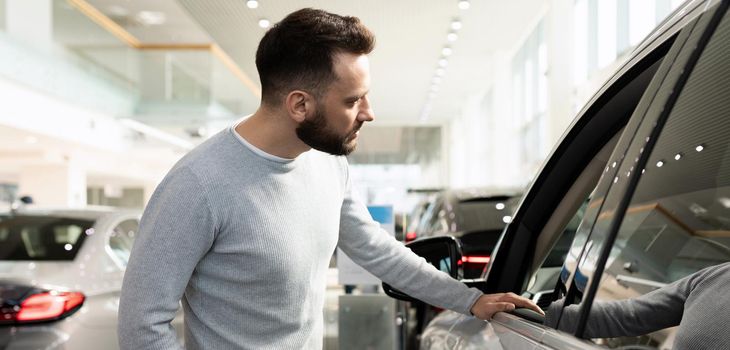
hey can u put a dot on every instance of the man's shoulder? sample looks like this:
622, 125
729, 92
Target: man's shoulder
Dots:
212, 156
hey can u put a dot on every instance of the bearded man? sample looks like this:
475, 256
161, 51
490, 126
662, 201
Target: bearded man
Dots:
241, 230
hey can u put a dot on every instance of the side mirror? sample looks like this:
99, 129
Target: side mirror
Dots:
443, 252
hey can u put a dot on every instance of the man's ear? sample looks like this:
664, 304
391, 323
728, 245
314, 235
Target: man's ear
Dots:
298, 104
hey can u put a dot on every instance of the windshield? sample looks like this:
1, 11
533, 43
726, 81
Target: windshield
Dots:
28, 237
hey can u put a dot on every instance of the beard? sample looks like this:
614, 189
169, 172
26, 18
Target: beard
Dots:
317, 134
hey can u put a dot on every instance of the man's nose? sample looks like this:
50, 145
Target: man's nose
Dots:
366, 112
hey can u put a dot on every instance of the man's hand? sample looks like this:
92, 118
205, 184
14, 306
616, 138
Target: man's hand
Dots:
489, 304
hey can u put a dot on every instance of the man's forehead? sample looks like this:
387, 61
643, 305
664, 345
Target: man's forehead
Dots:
351, 71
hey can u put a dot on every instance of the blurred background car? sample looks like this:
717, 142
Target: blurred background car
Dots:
475, 216
61, 275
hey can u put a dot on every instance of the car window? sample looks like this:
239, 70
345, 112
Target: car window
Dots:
678, 219
558, 253
481, 214
122, 238
432, 220
39, 238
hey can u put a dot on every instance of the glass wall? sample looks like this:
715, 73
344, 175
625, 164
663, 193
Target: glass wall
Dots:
530, 101
604, 30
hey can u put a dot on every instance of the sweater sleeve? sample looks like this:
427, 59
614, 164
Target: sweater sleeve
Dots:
368, 245
176, 230
647, 313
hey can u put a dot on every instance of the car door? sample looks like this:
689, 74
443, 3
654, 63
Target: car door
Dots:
666, 212
605, 127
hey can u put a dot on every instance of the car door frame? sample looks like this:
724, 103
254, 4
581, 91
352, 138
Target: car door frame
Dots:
519, 234
511, 262
657, 111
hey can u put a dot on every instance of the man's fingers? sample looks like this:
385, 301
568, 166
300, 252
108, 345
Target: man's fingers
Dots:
503, 307
519, 301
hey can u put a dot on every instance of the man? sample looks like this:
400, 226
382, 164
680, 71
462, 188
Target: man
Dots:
243, 227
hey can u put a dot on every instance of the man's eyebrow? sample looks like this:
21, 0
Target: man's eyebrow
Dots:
357, 97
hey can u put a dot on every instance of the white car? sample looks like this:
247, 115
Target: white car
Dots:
61, 274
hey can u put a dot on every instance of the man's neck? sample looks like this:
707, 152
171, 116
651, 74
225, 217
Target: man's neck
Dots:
272, 133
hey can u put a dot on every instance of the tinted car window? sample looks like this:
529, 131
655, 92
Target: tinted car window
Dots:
26, 237
484, 214
678, 220
122, 238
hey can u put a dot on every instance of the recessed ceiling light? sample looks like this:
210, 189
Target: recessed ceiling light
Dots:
499, 206
446, 51
150, 18
659, 164
464, 4
456, 24
699, 148
252, 4
436, 80
506, 219
443, 62
678, 156
440, 72
264, 23
452, 37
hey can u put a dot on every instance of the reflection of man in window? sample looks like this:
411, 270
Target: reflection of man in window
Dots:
699, 304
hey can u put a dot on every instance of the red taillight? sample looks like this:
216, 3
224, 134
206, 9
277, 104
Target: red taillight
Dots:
48, 306
410, 236
475, 259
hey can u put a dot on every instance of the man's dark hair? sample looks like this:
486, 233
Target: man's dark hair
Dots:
297, 53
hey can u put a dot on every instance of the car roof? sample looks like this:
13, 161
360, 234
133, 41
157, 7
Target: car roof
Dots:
465, 194
86, 213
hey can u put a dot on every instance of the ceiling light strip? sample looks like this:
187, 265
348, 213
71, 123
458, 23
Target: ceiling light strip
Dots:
157, 133
105, 22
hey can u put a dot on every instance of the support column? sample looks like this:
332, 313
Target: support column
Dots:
54, 184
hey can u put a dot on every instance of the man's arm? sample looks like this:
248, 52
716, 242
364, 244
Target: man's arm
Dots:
362, 239
176, 230
647, 313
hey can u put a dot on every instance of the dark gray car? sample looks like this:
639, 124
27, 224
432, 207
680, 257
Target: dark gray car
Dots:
645, 170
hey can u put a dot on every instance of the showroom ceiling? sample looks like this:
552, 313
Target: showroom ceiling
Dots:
190, 63
410, 37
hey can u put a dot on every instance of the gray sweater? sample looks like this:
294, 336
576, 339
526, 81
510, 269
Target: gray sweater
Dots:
699, 304
244, 239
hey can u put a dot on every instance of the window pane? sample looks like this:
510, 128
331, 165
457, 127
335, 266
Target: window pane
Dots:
606, 32
580, 42
122, 238
678, 221
642, 19
28, 237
